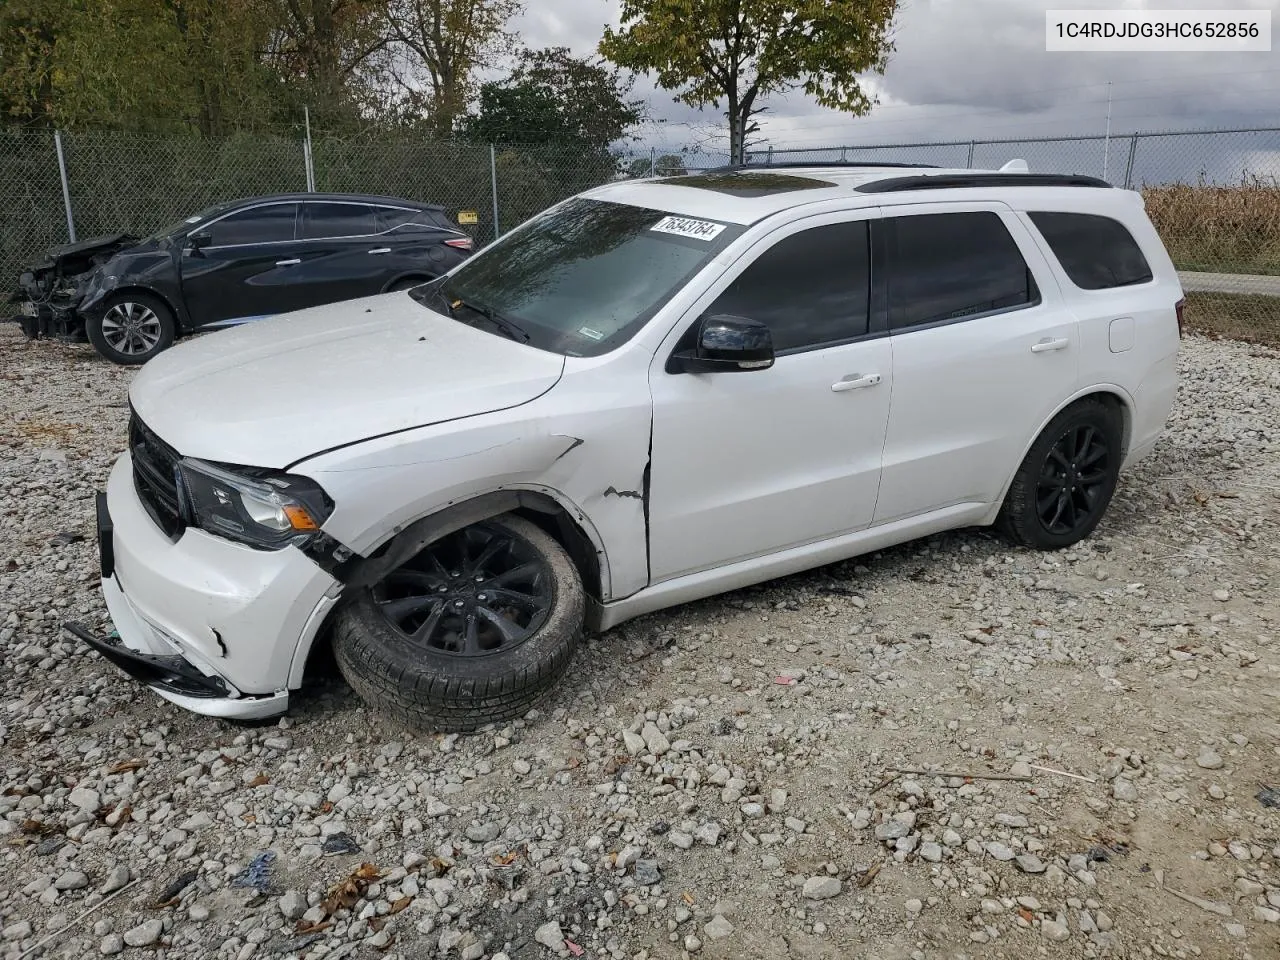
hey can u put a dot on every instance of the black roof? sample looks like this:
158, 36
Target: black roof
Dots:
348, 197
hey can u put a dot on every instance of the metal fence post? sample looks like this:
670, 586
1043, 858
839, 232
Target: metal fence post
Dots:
653, 162
307, 155
769, 160
66, 188
493, 178
1128, 167
969, 162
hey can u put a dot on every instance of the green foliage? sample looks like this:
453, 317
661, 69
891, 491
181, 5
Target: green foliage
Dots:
447, 40
666, 165
552, 97
740, 51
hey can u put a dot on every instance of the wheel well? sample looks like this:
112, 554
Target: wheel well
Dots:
560, 526
1117, 405
415, 277
538, 508
120, 292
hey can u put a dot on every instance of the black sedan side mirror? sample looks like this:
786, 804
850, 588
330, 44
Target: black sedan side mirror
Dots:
726, 343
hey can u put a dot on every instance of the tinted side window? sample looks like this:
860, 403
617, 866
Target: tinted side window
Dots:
321, 220
405, 222
1096, 252
809, 288
945, 266
270, 224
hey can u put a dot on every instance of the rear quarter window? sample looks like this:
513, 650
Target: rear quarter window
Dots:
1096, 252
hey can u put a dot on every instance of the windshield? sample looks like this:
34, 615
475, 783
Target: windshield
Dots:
189, 223
583, 277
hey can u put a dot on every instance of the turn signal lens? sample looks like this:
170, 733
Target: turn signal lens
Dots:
299, 519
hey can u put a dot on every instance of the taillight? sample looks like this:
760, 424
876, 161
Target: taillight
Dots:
1179, 307
461, 243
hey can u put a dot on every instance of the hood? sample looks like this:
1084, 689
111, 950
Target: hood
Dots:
78, 257
273, 392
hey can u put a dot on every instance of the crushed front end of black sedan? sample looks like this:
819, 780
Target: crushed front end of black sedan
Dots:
49, 292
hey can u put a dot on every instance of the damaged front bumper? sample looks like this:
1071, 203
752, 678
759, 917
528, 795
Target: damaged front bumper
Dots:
53, 297
212, 626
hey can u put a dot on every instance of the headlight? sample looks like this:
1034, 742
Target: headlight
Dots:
261, 508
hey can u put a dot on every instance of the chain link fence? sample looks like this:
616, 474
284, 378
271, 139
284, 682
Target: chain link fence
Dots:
1213, 195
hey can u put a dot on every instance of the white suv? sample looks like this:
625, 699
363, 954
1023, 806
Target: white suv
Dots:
653, 392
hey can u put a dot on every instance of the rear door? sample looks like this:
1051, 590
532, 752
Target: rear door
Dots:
245, 271
984, 350
420, 243
344, 256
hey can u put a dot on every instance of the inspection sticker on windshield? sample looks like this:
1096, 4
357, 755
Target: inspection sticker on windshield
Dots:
688, 227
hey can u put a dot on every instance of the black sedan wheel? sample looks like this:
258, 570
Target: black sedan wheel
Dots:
1067, 478
474, 629
132, 329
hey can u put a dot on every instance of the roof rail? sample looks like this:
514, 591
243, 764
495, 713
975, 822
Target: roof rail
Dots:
947, 181
817, 164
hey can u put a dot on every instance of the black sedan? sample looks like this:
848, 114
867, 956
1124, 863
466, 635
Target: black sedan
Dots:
236, 262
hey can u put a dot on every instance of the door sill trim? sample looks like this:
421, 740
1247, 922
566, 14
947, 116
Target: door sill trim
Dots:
743, 573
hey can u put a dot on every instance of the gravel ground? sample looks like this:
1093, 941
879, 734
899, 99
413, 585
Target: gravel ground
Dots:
716, 780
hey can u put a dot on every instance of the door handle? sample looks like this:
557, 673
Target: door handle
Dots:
1048, 343
855, 382
381, 250
288, 263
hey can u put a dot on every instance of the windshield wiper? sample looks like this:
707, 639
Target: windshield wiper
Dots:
508, 328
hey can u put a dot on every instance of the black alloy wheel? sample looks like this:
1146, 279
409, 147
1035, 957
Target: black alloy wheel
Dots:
476, 592
1073, 479
476, 628
1067, 477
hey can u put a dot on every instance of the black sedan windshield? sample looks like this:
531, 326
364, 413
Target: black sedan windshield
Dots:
583, 277
190, 223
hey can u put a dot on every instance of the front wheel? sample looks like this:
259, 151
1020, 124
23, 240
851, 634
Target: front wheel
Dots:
1067, 478
132, 329
475, 629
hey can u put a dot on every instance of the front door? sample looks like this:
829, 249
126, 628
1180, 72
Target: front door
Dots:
984, 351
747, 463
246, 267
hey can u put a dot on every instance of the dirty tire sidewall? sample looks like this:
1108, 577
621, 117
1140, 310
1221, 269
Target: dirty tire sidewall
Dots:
433, 691
1018, 519
168, 329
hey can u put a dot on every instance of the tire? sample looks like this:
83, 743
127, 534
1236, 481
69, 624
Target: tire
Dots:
432, 687
1084, 482
132, 328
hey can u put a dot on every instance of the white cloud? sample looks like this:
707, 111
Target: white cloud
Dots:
974, 69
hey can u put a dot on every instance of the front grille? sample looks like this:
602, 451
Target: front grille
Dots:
154, 476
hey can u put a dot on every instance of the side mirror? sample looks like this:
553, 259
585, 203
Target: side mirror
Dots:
725, 343
198, 239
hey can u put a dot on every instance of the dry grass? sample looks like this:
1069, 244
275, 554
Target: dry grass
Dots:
1231, 316
1219, 229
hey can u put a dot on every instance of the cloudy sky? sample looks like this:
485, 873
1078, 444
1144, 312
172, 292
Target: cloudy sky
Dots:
977, 69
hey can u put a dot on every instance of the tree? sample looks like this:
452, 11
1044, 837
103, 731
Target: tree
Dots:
449, 40
741, 51
554, 98
141, 64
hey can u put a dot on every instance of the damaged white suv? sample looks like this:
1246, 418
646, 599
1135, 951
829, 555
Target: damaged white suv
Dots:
653, 392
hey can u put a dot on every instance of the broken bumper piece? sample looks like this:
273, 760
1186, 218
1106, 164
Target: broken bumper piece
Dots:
179, 682
173, 674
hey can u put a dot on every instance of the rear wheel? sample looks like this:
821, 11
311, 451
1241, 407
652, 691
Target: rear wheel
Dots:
475, 629
132, 328
1067, 478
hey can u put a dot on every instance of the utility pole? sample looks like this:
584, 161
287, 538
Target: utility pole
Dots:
1106, 143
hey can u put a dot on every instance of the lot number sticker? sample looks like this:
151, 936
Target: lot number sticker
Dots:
687, 227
